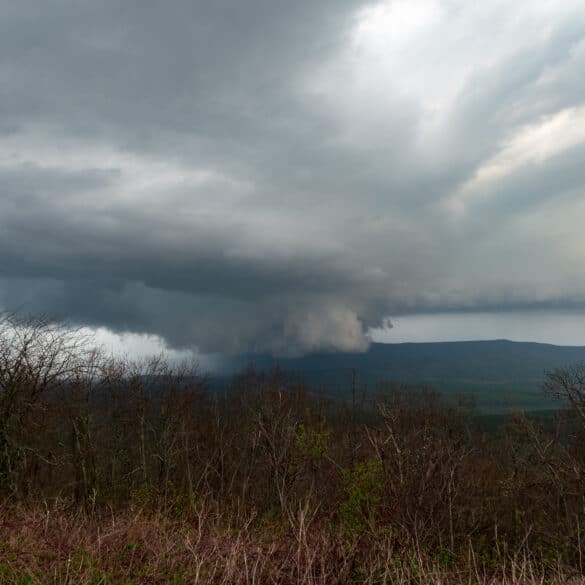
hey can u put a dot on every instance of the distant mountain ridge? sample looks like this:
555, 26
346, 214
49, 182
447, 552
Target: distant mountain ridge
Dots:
501, 374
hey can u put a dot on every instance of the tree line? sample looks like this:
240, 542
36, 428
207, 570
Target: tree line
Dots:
96, 432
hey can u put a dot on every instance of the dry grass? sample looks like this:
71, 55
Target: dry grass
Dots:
56, 546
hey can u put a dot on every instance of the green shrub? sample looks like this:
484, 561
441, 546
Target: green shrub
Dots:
313, 442
363, 485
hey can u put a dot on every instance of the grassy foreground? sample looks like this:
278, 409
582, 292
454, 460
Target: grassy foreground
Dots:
54, 546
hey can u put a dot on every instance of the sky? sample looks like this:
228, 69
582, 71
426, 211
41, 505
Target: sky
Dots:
225, 177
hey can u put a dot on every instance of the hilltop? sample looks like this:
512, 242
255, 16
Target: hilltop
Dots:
502, 375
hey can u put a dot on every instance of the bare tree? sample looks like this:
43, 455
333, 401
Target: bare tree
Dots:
37, 356
568, 384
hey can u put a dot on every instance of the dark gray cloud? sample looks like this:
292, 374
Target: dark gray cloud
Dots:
285, 175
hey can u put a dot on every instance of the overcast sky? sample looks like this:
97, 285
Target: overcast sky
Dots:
285, 176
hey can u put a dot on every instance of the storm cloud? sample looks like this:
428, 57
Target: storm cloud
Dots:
284, 176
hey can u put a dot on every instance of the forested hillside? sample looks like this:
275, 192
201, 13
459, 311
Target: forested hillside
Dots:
502, 375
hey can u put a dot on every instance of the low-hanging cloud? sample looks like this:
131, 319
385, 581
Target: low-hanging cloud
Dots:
271, 176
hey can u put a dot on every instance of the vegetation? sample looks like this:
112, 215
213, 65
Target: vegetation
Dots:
120, 472
502, 375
